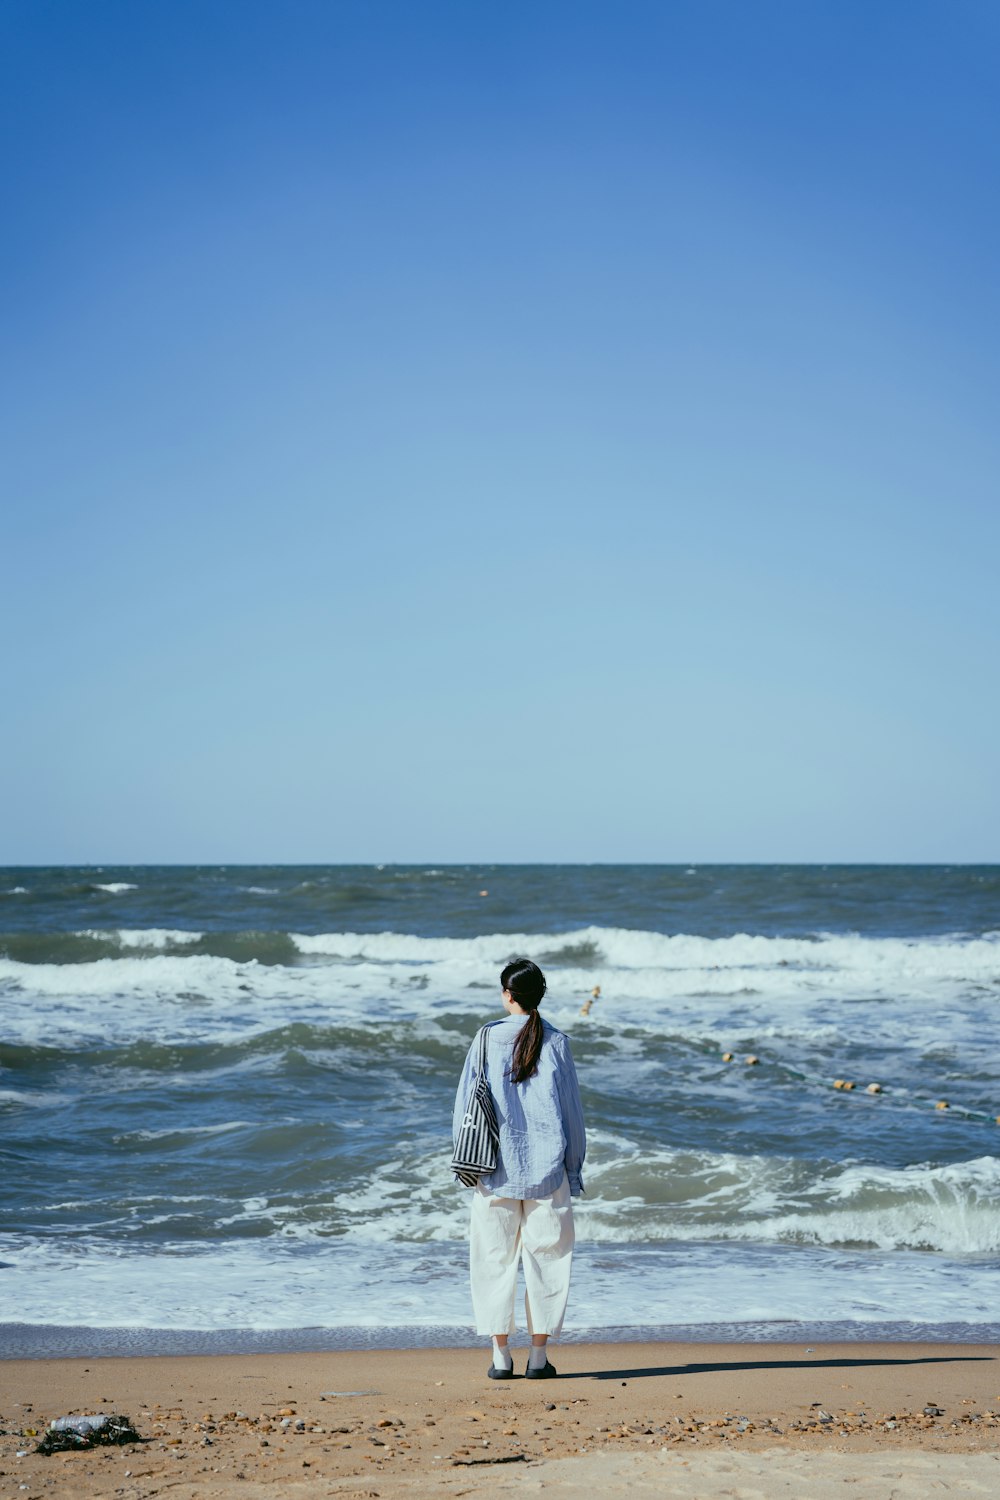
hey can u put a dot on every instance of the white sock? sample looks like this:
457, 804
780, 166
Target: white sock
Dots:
502, 1357
538, 1357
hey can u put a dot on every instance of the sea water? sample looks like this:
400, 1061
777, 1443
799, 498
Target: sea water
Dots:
226, 1094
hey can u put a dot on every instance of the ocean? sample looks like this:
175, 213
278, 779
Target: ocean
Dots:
225, 1096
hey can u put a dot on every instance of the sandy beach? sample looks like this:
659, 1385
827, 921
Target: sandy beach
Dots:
688, 1419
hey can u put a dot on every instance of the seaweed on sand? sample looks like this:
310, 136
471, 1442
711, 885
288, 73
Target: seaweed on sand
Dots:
71, 1433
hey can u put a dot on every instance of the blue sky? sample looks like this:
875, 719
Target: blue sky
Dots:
552, 431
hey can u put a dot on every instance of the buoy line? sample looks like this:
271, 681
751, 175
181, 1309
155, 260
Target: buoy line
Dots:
842, 1085
849, 1085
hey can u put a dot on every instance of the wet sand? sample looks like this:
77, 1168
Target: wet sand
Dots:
686, 1419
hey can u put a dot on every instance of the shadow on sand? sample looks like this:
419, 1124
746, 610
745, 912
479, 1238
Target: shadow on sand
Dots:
720, 1367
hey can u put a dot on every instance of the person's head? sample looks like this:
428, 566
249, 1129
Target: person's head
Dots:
524, 982
523, 985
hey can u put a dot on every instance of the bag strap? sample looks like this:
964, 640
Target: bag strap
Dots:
481, 1061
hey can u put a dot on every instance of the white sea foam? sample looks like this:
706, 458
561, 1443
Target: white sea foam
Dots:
726, 992
142, 937
636, 1196
170, 1132
628, 949
950, 1208
114, 887
38, 1099
651, 973
155, 976
233, 1285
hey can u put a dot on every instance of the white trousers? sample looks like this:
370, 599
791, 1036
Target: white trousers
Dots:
504, 1230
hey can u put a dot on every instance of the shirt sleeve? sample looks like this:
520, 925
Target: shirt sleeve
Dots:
465, 1085
572, 1118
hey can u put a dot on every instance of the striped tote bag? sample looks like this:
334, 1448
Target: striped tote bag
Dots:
479, 1136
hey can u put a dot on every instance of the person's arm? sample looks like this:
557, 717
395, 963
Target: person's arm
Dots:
465, 1085
572, 1117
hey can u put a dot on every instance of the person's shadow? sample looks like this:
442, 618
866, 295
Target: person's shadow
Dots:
724, 1366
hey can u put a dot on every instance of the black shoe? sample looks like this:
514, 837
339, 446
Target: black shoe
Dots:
496, 1374
545, 1373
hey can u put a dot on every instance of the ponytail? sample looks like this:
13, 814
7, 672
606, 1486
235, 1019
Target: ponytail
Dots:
524, 1063
526, 983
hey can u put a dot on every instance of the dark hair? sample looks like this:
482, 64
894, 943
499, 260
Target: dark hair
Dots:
526, 983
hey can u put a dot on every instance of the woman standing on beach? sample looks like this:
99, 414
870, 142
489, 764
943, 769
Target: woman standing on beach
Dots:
524, 1208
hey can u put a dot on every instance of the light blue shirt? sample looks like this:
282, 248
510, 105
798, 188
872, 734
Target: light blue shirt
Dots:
540, 1120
